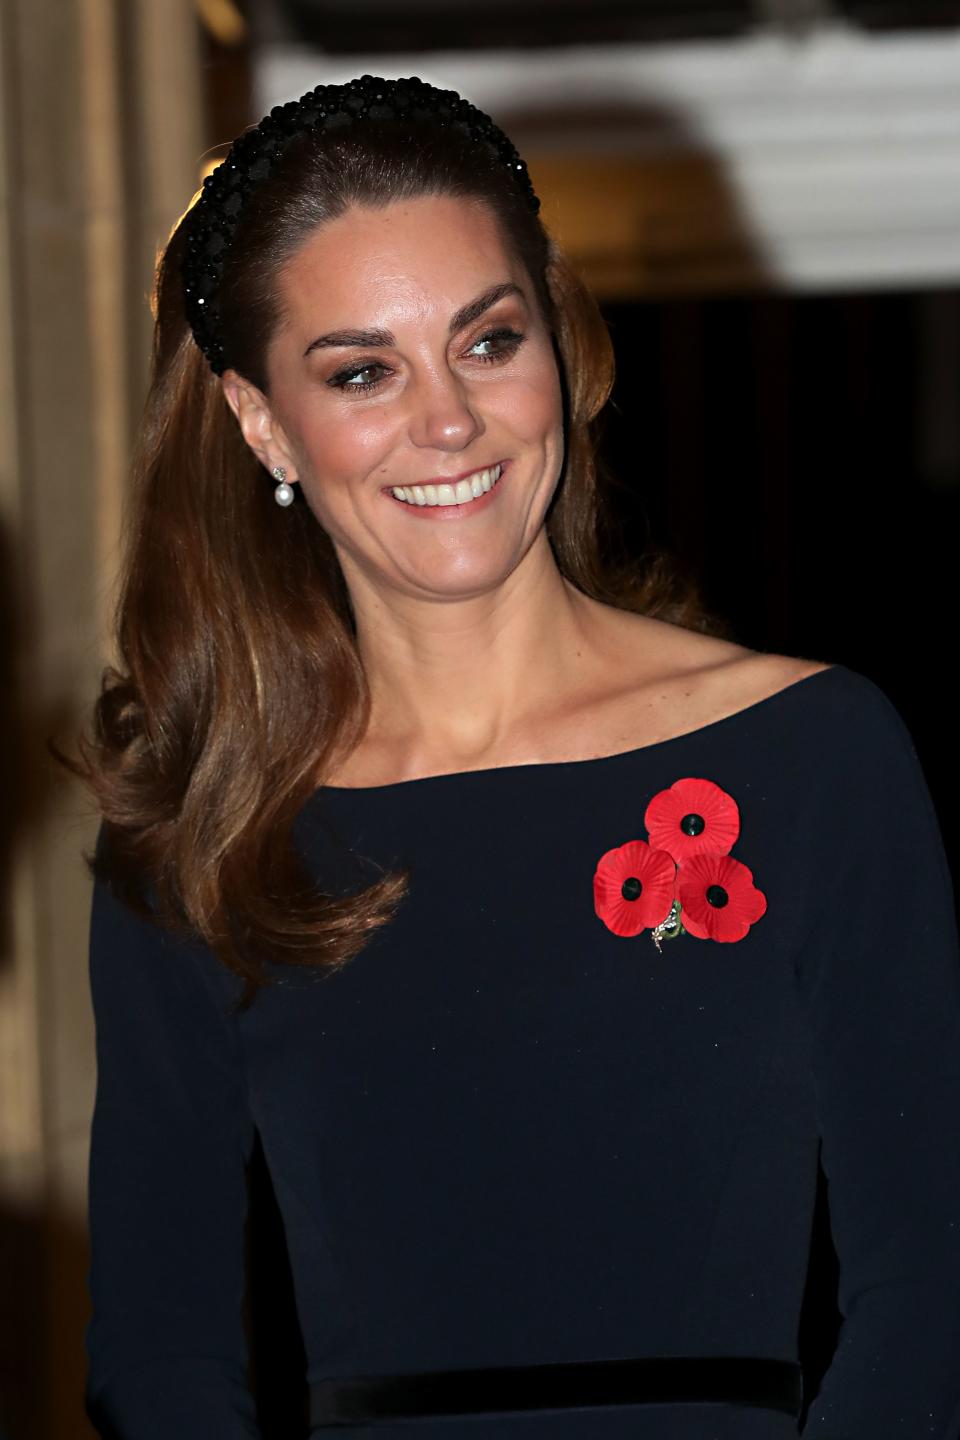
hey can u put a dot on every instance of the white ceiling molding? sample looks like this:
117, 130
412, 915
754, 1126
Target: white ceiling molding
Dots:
841, 149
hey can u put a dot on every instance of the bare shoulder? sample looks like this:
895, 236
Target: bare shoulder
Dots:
684, 679
736, 674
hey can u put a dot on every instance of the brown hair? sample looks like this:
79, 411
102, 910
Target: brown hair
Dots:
240, 680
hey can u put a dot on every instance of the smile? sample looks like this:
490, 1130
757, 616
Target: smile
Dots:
462, 493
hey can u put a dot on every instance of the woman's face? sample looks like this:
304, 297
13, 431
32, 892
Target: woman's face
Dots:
411, 355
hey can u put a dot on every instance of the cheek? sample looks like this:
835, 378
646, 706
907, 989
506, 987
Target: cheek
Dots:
532, 397
346, 446
534, 409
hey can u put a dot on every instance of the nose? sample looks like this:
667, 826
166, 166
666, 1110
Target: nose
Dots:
443, 416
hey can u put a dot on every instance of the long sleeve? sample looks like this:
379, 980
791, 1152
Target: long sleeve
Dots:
171, 1139
880, 976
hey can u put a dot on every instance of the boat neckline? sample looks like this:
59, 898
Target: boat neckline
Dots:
652, 747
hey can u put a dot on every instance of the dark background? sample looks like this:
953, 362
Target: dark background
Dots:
348, 26
780, 446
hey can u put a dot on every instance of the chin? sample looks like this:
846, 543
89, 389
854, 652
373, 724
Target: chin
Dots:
462, 584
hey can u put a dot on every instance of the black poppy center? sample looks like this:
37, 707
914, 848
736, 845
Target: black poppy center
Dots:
693, 824
632, 888
717, 896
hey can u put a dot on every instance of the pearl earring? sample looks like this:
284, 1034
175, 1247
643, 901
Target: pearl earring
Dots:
284, 492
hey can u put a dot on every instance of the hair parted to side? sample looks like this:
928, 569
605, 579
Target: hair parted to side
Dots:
239, 679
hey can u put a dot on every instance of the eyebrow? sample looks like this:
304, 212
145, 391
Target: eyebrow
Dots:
459, 321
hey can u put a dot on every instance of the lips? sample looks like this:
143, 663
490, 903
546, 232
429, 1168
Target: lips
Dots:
448, 493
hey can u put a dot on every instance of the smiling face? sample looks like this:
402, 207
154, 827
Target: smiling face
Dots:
411, 355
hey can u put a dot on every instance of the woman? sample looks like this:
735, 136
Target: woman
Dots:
417, 861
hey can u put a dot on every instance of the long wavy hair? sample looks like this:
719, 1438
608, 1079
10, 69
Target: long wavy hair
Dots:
239, 679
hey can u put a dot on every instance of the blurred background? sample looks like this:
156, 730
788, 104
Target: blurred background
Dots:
765, 196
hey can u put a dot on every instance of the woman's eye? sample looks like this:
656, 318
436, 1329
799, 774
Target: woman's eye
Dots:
497, 345
505, 343
352, 379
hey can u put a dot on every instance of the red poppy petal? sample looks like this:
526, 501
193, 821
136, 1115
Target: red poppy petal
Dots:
654, 869
727, 922
690, 802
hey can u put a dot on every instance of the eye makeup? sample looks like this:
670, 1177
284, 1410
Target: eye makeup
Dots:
507, 340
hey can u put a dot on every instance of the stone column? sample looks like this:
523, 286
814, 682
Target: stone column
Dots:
100, 143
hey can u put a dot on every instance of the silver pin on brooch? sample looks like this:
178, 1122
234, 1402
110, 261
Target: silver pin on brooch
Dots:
669, 928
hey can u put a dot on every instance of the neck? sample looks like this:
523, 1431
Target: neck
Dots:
454, 683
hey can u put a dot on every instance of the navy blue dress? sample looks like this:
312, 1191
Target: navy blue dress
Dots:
504, 1135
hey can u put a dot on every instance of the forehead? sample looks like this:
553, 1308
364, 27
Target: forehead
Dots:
432, 252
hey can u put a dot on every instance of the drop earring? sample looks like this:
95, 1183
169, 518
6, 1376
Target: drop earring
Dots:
284, 491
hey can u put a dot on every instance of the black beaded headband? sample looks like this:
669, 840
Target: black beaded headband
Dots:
213, 220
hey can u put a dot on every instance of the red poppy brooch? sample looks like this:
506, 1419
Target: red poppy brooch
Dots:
683, 879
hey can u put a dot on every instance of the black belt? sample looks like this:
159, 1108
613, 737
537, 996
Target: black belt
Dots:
673, 1380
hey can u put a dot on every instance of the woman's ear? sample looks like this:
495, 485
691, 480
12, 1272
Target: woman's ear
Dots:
260, 430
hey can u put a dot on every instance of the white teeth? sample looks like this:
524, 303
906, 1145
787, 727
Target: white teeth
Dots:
457, 494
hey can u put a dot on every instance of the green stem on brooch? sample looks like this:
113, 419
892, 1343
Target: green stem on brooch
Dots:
669, 928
